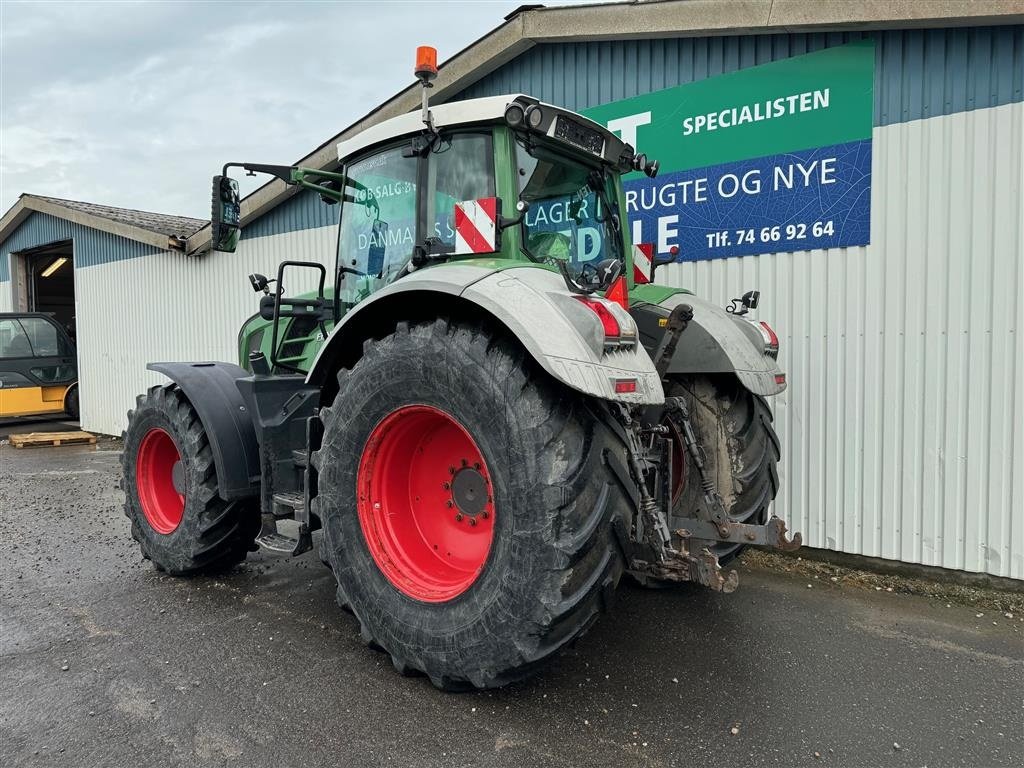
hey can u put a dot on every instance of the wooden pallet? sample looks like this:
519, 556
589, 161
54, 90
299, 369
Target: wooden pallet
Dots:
39, 439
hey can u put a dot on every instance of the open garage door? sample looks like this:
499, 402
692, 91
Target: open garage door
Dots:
49, 282
38, 353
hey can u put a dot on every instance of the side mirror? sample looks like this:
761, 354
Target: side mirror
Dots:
225, 214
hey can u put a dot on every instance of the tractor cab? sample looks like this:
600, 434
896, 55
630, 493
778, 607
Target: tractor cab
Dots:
505, 182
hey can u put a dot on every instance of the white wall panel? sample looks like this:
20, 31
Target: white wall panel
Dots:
5, 296
902, 424
171, 307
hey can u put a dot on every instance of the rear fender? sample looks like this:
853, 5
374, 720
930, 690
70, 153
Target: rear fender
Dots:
719, 342
211, 389
563, 336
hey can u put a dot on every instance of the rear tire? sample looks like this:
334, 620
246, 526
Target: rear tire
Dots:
735, 428
742, 450
170, 486
552, 562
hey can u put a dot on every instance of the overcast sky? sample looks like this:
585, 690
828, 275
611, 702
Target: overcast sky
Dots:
138, 104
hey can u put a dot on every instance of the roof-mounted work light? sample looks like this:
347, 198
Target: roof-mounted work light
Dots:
514, 115
534, 116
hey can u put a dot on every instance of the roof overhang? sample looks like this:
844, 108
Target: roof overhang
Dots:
638, 19
28, 204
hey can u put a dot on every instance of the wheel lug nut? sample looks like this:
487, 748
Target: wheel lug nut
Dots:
476, 465
458, 518
449, 503
472, 521
451, 470
485, 514
446, 485
465, 463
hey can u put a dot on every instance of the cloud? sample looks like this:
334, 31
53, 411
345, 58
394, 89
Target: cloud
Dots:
138, 105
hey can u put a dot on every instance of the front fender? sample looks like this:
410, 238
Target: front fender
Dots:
533, 304
211, 389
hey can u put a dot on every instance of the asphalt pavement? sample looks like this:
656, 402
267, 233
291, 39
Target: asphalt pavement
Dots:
106, 662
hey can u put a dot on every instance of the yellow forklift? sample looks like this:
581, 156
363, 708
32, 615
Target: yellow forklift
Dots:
38, 366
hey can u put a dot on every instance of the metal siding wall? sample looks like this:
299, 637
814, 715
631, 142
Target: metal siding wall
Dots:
900, 427
170, 307
919, 73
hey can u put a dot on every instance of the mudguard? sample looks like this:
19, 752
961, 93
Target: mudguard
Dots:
719, 342
562, 335
211, 389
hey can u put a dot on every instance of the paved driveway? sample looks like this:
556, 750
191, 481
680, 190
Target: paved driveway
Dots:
105, 662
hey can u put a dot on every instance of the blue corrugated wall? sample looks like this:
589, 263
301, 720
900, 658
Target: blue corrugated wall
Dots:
918, 73
91, 245
304, 211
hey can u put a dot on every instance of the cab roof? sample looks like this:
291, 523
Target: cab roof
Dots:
465, 112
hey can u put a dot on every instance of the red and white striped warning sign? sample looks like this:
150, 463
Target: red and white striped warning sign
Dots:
476, 225
643, 253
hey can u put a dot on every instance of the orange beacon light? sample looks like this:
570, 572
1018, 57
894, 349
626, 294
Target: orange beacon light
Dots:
426, 62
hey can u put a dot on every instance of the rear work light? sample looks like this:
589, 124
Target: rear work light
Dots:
619, 328
625, 386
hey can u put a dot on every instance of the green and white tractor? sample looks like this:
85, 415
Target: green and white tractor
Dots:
487, 412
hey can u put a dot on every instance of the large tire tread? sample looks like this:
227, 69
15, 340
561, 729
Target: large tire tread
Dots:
577, 549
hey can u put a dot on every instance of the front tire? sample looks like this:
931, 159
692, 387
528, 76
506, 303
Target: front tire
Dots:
71, 402
170, 486
442, 421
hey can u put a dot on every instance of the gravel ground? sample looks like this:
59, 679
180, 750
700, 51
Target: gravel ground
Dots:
105, 662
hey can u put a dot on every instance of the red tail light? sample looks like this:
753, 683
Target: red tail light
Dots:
771, 340
625, 386
608, 321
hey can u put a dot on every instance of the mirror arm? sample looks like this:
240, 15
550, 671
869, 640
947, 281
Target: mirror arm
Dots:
503, 222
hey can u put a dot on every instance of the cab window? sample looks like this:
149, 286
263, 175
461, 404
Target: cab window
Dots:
460, 168
13, 340
567, 219
44, 337
378, 222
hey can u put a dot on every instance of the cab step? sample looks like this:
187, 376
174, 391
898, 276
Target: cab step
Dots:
272, 540
293, 501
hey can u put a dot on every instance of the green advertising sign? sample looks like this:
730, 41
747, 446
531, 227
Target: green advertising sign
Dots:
771, 158
812, 100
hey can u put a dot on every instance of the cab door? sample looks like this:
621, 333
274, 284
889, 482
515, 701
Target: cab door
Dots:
37, 365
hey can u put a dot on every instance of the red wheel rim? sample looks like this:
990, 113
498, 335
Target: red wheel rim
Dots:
159, 478
425, 503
